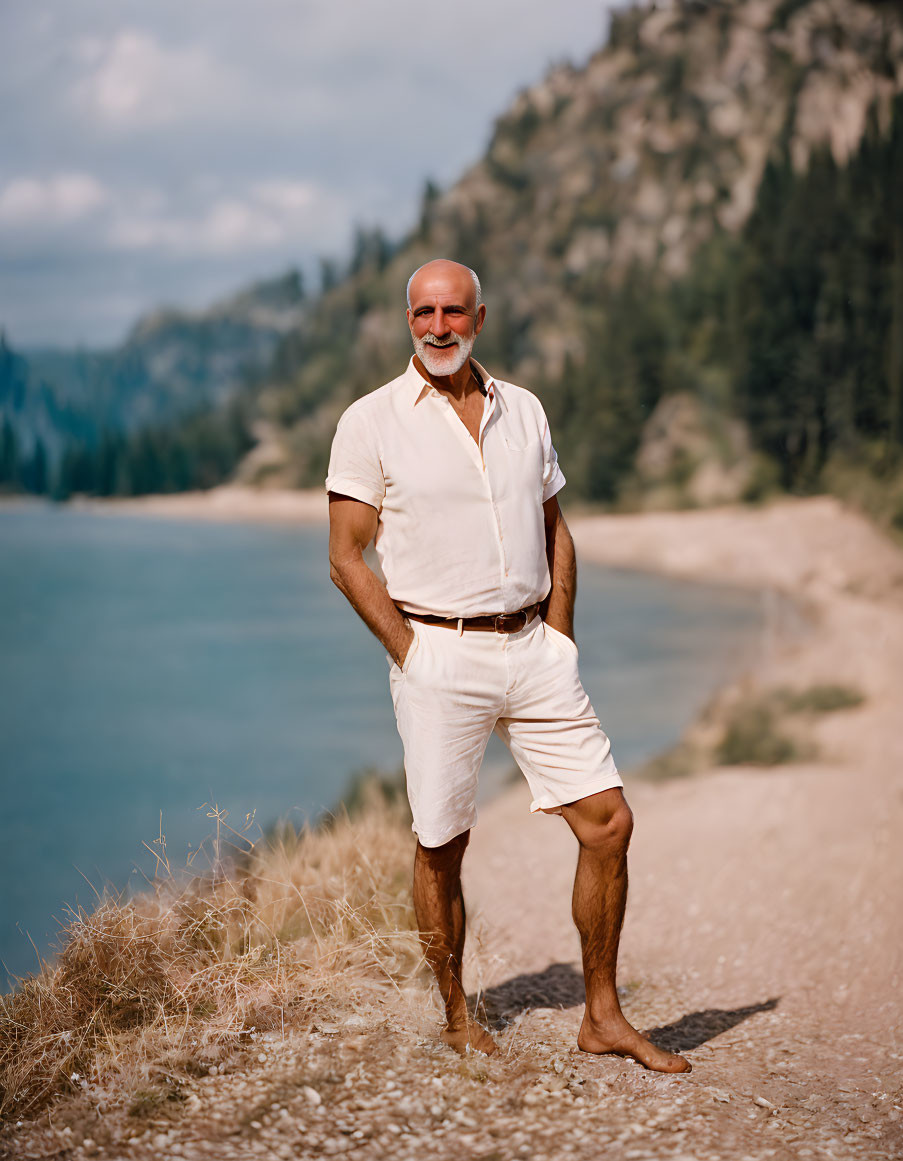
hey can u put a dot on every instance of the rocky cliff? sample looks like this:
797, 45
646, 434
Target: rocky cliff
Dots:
622, 171
705, 211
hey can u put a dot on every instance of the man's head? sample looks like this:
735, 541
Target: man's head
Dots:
445, 314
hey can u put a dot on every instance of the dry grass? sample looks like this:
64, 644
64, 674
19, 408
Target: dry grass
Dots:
315, 925
748, 726
754, 735
819, 699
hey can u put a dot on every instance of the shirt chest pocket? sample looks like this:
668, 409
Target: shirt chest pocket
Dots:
523, 465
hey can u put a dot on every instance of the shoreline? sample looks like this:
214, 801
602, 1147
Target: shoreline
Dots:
837, 570
733, 545
689, 544
800, 554
227, 503
784, 615
761, 937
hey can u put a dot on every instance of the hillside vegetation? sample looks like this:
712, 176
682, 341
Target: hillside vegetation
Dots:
702, 220
707, 208
67, 418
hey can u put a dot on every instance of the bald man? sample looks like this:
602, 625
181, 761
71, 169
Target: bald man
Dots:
454, 475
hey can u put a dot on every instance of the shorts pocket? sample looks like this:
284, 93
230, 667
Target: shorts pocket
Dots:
408, 657
412, 649
561, 637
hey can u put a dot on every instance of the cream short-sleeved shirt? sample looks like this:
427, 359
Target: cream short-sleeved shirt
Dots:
461, 529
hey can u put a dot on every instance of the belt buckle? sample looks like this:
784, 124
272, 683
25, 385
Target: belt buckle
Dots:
505, 616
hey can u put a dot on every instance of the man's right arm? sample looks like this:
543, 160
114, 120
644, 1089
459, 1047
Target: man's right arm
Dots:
352, 525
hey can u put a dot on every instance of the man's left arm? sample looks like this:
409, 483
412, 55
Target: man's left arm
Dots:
558, 607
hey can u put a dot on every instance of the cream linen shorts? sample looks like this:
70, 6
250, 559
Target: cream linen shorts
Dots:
453, 690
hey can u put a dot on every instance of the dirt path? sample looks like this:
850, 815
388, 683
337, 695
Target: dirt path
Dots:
764, 926
763, 938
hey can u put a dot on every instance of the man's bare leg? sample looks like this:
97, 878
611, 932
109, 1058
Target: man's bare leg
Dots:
439, 906
602, 824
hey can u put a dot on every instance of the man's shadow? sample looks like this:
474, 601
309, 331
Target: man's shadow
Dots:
698, 1027
560, 986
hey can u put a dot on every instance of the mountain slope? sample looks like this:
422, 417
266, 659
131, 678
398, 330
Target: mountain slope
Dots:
173, 363
601, 188
707, 212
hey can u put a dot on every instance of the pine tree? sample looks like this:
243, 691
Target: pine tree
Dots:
9, 455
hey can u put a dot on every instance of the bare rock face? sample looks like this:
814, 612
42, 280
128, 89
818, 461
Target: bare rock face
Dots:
691, 457
636, 160
666, 131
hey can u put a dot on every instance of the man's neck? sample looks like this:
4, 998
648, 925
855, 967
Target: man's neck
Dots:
463, 383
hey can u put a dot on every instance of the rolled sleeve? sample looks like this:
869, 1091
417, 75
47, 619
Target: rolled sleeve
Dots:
552, 476
354, 463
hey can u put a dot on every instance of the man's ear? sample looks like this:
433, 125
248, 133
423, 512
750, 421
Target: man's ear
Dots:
479, 319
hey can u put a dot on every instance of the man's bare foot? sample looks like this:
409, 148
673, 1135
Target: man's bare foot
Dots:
470, 1036
621, 1039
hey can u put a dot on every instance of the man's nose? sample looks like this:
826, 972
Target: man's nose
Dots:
438, 325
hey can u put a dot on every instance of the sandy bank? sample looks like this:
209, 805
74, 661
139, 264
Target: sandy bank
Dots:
814, 548
762, 937
228, 503
762, 934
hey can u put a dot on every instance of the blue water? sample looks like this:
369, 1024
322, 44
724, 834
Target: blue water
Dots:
154, 667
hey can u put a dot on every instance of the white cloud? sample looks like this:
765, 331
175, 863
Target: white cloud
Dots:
234, 225
61, 199
134, 82
207, 219
267, 215
224, 138
288, 197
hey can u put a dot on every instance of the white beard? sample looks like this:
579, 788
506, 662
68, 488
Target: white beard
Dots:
443, 362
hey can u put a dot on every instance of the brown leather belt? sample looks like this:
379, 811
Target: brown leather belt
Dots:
497, 622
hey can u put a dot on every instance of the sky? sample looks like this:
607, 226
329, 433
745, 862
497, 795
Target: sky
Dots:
173, 151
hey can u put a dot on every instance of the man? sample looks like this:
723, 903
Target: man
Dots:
454, 475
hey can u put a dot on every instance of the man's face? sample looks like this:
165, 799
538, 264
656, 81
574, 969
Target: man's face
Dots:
442, 317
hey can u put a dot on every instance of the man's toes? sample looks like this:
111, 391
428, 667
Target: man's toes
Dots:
671, 1063
474, 1037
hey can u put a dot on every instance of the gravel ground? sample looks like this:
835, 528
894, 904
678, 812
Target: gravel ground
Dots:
762, 939
387, 1093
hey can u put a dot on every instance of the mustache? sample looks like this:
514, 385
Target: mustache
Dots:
431, 340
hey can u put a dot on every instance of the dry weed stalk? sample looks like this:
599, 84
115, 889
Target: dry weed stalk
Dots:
312, 925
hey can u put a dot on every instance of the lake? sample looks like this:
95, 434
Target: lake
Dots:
156, 669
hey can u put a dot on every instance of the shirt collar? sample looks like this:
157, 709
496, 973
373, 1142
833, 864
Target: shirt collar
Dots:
420, 386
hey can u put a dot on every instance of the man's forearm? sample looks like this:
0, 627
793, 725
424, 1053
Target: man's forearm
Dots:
372, 603
562, 558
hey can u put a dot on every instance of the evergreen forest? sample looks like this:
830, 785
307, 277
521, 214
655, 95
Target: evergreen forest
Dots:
793, 325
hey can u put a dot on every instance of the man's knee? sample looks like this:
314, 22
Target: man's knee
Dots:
601, 822
446, 857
